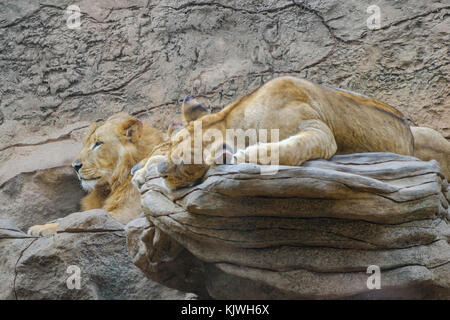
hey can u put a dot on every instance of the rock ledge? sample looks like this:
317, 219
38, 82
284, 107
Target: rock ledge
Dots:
304, 232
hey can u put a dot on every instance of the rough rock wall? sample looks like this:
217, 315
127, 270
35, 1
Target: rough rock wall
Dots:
144, 56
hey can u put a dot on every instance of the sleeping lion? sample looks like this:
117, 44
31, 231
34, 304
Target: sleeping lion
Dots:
103, 166
313, 121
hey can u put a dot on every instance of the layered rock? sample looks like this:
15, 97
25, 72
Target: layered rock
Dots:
312, 231
88, 244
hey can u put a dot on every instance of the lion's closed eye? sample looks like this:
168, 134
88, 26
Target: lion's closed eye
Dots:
96, 144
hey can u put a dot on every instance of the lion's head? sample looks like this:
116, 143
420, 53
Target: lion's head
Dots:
193, 149
111, 149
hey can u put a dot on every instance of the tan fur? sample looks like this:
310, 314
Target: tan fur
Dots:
192, 110
431, 145
314, 121
124, 142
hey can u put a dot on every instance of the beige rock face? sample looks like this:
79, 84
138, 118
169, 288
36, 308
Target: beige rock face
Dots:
303, 232
93, 242
40, 196
37, 183
144, 57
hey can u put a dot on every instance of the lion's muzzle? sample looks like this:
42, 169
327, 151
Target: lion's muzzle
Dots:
77, 165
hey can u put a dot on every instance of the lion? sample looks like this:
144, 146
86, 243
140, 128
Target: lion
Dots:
313, 122
103, 166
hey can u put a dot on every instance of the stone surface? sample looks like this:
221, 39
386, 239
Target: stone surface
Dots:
145, 56
36, 268
303, 232
37, 183
38, 197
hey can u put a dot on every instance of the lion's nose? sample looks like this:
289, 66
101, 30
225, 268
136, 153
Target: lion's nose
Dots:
163, 169
77, 165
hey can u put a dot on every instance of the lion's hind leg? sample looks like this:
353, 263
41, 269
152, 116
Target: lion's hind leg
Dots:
43, 229
314, 140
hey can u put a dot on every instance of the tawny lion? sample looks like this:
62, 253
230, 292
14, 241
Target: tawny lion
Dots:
103, 167
314, 122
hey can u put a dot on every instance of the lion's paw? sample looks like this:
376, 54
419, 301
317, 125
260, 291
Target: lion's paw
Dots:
239, 157
43, 229
139, 177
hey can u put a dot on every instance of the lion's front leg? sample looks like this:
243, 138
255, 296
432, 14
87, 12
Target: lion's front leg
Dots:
313, 141
94, 199
43, 229
139, 175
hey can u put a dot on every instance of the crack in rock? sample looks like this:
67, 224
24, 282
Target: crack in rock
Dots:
15, 267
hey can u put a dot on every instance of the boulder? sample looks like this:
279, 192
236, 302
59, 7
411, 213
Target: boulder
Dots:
86, 259
37, 183
322, 230
31, 198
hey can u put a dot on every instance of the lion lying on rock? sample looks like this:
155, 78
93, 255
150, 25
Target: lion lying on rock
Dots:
313, 122
103, 166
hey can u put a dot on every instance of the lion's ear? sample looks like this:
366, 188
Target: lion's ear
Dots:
131, 129
173, 129
192, 109
94, 126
